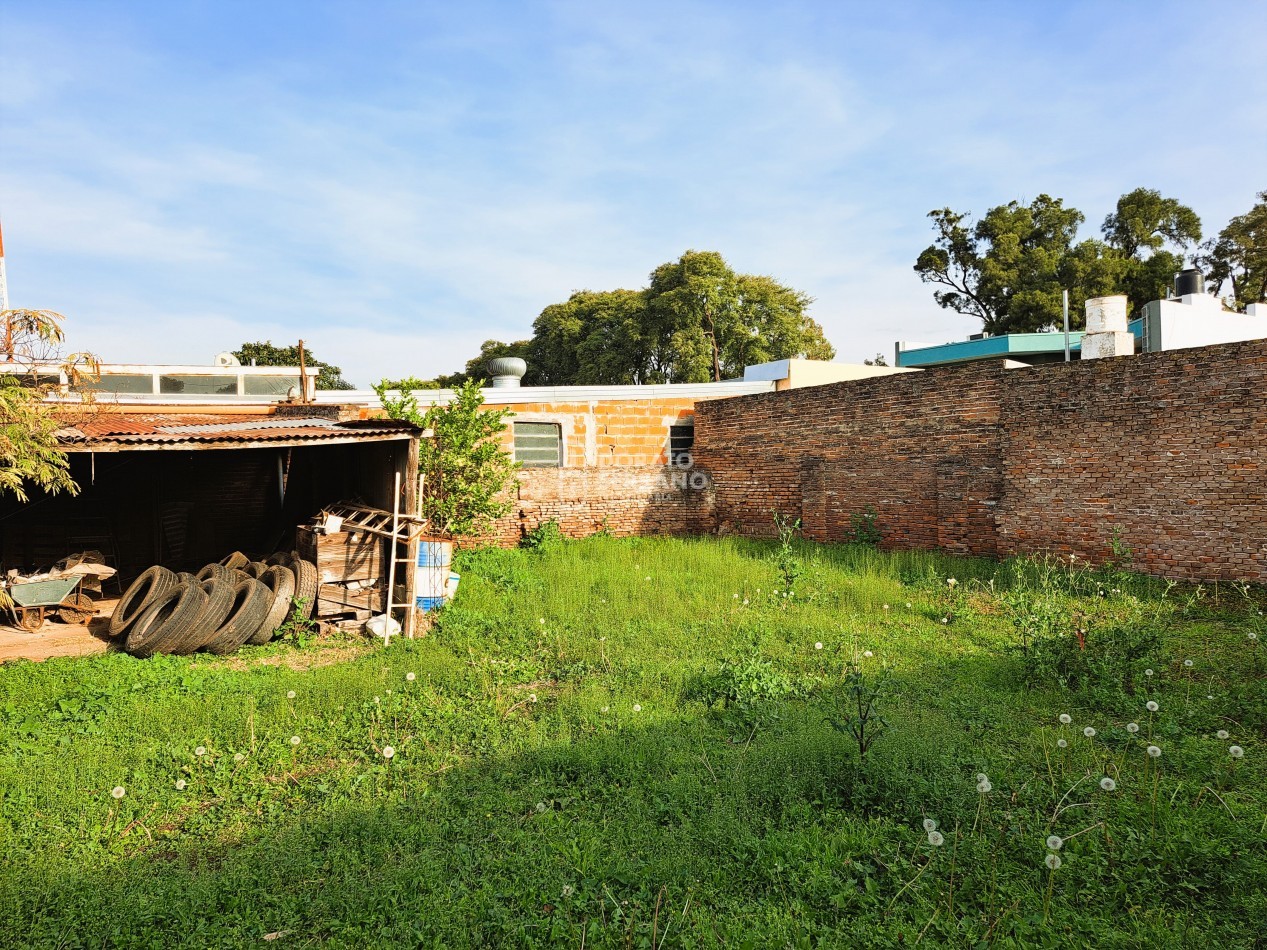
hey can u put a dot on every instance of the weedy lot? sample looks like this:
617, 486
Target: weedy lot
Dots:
645, 743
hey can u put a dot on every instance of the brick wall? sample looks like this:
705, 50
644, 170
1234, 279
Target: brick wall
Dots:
1169, 448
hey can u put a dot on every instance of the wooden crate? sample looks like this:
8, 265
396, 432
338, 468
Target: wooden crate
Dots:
343, 556
336, 601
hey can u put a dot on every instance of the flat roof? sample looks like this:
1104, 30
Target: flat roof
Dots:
119, 432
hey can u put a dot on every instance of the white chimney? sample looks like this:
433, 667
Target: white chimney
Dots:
1106, 329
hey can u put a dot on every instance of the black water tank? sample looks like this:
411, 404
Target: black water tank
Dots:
1189, 281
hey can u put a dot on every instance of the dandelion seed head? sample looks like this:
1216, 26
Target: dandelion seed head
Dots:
1108, 784
908, 605
1251, 635
532, 697
541, 806
868, 654
200, 751
818, 645
294, 740
885, 607
1055, 842
982, 777
1061, 743
238, 756
1188, 663
1236, 752
1065, 719
930, 825
1132, 727
1222, 734
1053, 861
945, 620
410, 677
951, 582
1089, 732
637, 707
1148, 672
1154, 751
745, 601
377, 700
1151, 705
180, 784
290, 694
935, 839
118, 791
568, 890
388, 752
985, 787
605, 709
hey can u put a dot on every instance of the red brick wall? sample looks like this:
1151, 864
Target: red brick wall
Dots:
1169, 448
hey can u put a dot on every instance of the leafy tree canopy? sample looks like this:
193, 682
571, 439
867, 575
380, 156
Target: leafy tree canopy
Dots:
697, 320
1009, 269
265, 354
1239, 256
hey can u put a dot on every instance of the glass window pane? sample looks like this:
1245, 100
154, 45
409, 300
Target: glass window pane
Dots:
124, 383
199, 385
269, 385
538, 444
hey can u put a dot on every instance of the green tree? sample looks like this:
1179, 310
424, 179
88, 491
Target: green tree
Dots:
466, 472
265, 354
30, 453
1239, 256
1138, 231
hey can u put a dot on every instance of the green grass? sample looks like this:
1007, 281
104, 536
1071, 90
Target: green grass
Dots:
565, 773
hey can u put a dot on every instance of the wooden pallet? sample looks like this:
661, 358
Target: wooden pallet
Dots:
343, 556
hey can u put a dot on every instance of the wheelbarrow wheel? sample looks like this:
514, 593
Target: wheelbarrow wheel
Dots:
77, 608
31, 618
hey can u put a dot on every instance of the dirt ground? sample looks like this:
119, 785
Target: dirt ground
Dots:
55, 638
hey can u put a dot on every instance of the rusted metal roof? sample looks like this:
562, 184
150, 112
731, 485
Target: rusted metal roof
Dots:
165, 430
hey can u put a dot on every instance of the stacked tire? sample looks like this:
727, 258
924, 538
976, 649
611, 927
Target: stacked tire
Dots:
219, 609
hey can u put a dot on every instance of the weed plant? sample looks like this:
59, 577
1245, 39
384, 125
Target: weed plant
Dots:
629, 743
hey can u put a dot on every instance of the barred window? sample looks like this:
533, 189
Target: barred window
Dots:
538, 444
681, 442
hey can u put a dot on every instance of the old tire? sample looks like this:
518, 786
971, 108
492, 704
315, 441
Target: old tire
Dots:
306, 583
219, 593
166, 621
254, 569
218, 571
151, 585
235, 560
251, 603
281, 581
279, 557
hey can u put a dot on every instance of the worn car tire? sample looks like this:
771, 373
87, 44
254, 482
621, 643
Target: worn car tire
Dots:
151, 585
251, 602
279, 557
307, 582
281, 581
235, 560
219, 593
160, 628
254, 569
218, 571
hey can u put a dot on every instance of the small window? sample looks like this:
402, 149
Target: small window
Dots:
538, 445
681, 442
269, 385
122, 383
209, 385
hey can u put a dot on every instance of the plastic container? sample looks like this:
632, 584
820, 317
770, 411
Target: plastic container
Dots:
431, 603
451, 589
430, 582
433, 552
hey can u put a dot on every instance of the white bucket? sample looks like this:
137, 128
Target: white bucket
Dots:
430, 582
451, 589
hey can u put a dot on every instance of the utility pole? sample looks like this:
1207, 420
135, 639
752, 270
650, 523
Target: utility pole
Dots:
1065, 295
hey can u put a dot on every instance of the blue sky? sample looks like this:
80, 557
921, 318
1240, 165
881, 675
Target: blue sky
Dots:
397, 182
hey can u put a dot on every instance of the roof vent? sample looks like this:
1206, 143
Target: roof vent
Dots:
507, 371
225, 359
1189, 281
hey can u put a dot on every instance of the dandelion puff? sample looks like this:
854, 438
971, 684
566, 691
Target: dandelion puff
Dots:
734, 596
745, 601
532, 697
389, 692
930, 825
1061, 743
294, 740
568, 890
1054, 842
945, 620
886, 607
1151, 705
1132, 727
117, 791
1188, 663
541, 806
238, 756
1053, 861
410, 677
868, 654
985, 787
637, 707
1222, 734
1108, 784
290, 694
377, 700
388, 752
982, 777
951, 582
1065, 719
180, 784
1148, 672
200, 751
1236, 752
1089, 732
818, 645
908, 605
1154, 752
605, 709
935, 839
1251, 635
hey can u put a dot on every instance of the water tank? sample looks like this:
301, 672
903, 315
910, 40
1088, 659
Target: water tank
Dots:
1189, 281
506, 371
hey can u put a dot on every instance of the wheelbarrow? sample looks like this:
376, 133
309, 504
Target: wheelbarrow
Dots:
32, 598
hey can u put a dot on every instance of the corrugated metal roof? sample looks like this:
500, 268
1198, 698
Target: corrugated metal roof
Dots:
163, 429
